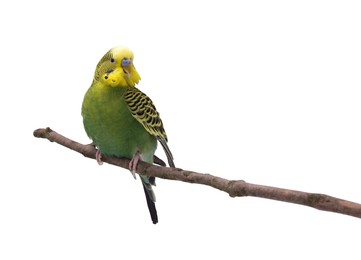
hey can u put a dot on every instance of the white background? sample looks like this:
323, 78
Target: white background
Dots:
264, 91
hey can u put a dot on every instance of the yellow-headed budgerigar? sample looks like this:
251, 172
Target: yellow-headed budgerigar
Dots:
121, 120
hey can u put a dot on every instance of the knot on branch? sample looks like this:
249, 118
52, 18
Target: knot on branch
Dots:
237, 188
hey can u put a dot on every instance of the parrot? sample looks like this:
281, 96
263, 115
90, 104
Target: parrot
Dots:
121, 120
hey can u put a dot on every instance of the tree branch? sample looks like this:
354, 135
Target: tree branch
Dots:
235, 188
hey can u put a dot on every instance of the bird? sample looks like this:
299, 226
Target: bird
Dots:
121, 120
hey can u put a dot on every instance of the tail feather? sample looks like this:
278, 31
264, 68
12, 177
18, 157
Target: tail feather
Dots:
150, 203
148, 181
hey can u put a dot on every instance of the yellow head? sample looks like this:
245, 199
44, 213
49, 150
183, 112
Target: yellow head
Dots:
116, 68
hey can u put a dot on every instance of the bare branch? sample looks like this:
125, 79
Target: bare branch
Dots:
235, 188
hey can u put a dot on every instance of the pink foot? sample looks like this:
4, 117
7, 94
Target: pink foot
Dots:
98, 157
133, 163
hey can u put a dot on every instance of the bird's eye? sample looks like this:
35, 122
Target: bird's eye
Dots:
112, 60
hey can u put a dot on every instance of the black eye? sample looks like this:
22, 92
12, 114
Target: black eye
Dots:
112, 60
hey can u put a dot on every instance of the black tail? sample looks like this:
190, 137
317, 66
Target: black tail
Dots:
151, 206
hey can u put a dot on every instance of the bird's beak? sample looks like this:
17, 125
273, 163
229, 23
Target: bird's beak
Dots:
128, 66
132, 76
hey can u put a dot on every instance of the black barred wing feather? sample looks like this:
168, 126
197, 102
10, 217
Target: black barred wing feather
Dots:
143, 109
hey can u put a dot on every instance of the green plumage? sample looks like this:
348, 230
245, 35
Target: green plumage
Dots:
120, 119
112, 127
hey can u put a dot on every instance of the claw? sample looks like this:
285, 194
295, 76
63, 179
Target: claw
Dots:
133, 164
98, 157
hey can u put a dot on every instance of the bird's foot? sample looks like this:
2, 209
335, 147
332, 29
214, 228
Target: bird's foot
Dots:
98, 157
133, 164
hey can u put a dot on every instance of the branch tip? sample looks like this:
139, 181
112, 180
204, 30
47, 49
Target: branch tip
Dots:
43, 133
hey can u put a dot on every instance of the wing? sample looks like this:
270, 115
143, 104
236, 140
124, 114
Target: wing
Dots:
143, 109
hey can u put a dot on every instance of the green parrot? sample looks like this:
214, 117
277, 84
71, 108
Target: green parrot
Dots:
121, 120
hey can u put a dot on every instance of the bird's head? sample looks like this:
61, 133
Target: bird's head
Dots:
116, 68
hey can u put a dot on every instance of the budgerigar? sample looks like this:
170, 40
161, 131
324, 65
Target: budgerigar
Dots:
121, 120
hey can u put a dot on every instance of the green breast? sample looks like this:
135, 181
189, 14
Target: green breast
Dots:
111, 126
